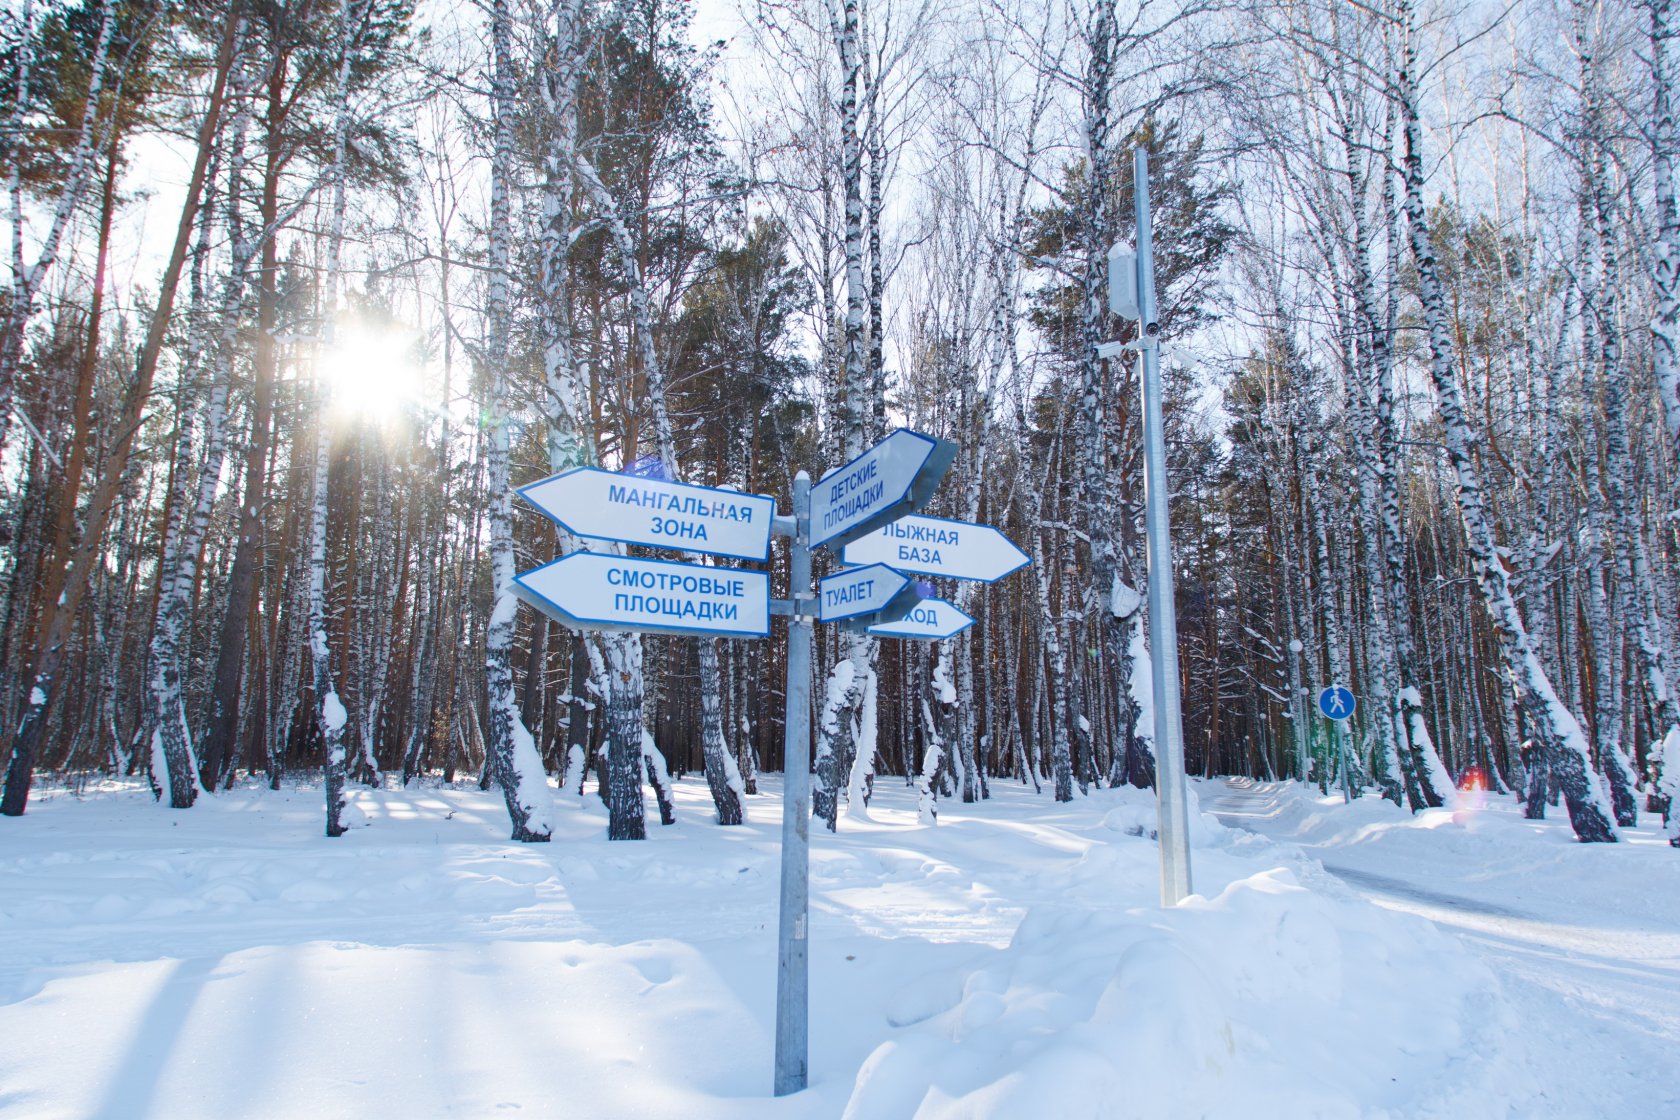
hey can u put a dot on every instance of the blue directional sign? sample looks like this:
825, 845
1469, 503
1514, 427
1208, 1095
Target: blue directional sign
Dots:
931, 619
599, 591
639, 509
875, 590
960, 549
1337, 703
892, 478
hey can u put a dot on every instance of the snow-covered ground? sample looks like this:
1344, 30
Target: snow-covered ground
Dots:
1584, 938
229, 961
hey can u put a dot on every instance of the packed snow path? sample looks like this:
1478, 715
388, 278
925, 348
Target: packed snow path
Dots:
1585, 939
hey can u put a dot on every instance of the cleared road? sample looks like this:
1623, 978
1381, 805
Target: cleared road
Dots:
1616, 971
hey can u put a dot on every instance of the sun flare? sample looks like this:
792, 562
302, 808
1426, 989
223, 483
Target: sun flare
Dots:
372, 374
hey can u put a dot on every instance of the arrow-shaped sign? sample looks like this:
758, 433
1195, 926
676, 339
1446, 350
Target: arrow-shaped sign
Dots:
892, 478
599, 591
931, 618
877, 591
591, 502
960, 549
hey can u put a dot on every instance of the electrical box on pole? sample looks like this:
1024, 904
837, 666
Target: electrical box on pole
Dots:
1123, 281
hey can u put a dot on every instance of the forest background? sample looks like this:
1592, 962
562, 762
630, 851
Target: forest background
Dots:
297, 290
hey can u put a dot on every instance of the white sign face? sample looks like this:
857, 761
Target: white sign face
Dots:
591, 502
598, 591
931, 618
893, 477
858, 591
960, 549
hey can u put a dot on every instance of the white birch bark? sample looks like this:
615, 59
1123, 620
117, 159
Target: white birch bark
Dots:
723, 777
515, 761
174, 763
1665, 255
28, 278
835, 746
330, 712
1556, 726
571, 439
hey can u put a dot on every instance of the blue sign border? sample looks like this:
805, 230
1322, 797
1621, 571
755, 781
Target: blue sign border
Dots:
542, 602
689, 546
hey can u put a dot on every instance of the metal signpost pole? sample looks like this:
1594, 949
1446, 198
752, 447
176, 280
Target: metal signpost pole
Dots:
793, 966
1163, 621
1297, 708
1337, 704
1341, 750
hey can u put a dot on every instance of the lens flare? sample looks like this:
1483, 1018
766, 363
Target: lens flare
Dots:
371, 374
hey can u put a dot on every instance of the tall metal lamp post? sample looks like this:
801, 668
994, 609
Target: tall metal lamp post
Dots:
1131, 295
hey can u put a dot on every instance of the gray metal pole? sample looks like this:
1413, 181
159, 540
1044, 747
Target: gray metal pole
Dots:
1297, 710
793, 1018
1163, 618
1342, 760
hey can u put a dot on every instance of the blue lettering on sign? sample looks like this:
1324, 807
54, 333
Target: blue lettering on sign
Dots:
852, 480
676, 581
676, 609
932, 534
683, 530
916, 554
858, 592
858, 503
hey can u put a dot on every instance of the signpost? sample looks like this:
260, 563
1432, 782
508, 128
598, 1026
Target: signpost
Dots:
607, 591
591, 502
1337, 705
892, 478
876, 592
600, 591
959, 549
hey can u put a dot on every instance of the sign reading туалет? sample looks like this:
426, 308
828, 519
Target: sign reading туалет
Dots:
592, 502
870, 590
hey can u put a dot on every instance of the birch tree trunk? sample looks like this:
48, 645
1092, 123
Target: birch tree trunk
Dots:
56, 629
1554, 724
173, 761
571, 435
1665, 255
28, 278
330, 713
723, 777
515, 759
1108, 596
835, 744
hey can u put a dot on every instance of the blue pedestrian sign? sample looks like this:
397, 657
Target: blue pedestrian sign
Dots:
1337, 703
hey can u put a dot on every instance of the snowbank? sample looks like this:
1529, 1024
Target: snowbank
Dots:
229, 960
